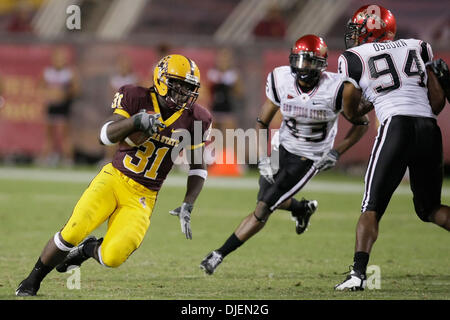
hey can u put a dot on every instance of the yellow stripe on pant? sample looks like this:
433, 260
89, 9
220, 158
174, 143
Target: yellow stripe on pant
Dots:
126, 204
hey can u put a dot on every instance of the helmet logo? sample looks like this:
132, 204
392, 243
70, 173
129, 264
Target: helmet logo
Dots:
163, 66
373, 16
370, 23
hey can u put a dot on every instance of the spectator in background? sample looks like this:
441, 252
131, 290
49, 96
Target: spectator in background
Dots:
20, 21
162, 50
272, 25
225, 90
123, 75
61, 86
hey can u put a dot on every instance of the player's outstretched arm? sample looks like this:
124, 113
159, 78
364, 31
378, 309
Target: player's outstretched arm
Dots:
268, 111
196, 179
354, 111
353, 135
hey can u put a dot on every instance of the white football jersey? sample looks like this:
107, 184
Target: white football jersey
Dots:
309, 118
391, 75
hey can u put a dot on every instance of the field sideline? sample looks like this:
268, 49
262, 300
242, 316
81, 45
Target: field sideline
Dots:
414, 257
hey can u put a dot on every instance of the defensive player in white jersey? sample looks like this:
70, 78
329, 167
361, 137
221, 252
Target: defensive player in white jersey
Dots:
392, 77
310, 100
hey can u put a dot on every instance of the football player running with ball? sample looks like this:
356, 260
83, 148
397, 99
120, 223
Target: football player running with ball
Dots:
310, 100
125, 191
407, 97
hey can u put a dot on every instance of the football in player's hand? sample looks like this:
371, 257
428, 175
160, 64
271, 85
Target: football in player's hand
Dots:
137, 138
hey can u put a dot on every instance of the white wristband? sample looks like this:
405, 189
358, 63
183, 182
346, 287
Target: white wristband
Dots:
104, 136
198, 172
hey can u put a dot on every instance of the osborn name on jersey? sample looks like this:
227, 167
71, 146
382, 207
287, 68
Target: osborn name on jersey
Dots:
391, 75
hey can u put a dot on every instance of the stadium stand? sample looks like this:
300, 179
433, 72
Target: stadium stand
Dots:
198, 28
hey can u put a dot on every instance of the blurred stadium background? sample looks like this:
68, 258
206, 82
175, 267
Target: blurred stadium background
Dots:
120, 41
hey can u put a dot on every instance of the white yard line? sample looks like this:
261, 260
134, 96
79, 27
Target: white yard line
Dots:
49, 175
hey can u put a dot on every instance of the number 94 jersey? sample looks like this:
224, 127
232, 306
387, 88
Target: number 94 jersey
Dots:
391, 75
310, 119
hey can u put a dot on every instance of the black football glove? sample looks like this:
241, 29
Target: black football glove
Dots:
440, 69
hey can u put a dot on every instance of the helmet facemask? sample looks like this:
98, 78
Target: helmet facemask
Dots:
307, 67
177, 80
354, 32
181, 93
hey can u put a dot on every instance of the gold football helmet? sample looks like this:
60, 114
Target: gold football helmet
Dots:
177, 79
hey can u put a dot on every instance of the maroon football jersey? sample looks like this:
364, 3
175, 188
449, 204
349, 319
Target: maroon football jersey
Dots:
150, 162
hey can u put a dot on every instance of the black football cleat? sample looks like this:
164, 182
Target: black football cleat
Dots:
302, 217
75, 257
27, 288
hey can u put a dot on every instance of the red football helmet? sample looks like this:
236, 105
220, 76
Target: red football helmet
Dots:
370, 23
308, 58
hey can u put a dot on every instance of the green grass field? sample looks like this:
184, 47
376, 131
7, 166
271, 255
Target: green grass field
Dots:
414, 257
